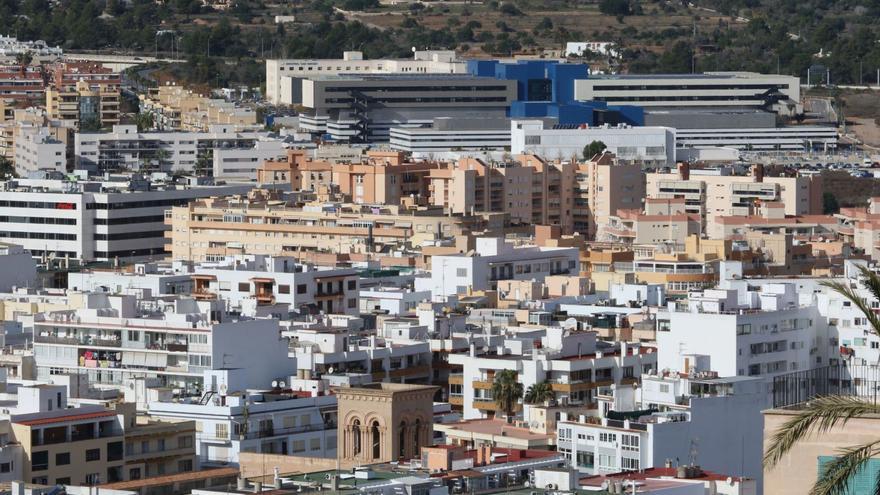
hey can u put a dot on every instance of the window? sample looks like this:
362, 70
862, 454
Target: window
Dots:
299, 446
40, 460
134, 336
301, 288
134, 474
93, 455
184, 466
352, 284
315, 444
6, 467
627, 464
585, 459
352, 302
184, 442
62, 481
244, 287
160, 444
664, 388
221, 430
461, 272
608, 437
283, 289
630, 442
62, 458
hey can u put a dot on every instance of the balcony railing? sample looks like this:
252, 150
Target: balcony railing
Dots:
277, 432
87, 341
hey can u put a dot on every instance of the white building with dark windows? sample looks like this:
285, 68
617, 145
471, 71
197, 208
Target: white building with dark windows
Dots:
94, 220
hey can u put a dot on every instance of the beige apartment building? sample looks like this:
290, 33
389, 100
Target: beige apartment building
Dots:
264, 223
663, 221
178, 108
602, 187
720, 194
83, 103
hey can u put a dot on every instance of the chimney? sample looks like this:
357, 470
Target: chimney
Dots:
758, 172
684, 170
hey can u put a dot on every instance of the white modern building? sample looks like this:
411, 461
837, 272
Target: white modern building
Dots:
655, 146
241, 163
234, 417
94, 220
124, 148
741, 332
493, 260
278, 280
36, 148
792, 138
447, 135
17, 267
10, 47
392, 300
284, 76
146, 276
712, 422
577, 366
113, 339
711, 89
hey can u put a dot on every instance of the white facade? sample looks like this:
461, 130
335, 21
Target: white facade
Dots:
652, 145
574, 363
712, 89
741, 332
640, 294
117, 338
391, 300
715, 423
17, 268
145, 276
127, 149
792, 138
425, 141
278, 421
93, 221
10, 47
37, 149
242, 163
579, 48
281, 280
283, 76
495, 260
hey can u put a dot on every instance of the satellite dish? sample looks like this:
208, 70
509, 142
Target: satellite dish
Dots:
281, 384
223, 388
274, 383
330, 370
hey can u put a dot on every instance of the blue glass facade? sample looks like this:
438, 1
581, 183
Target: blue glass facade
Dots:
546, 89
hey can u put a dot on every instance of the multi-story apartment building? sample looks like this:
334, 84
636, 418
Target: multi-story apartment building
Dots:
234, 418
278, 279
37, 148
86, 105
363, 108
662, 222
20, 86
603, 185
711, 89
651, 146
284, 76
17, 268
715, 193
93, 220
127, 149
158, 448
671, 417
176, 108
494, 260
741, 332
577, 366
115, 338
266, 223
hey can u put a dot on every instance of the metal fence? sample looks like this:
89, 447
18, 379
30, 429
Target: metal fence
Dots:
798, 387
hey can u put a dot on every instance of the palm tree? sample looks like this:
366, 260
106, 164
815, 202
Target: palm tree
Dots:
825, 413
507, 390
539, 393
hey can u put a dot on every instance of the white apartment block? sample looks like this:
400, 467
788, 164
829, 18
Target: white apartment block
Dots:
36, 148
327, 351
17, 268
713, 422
146, 276
278, 280
852, 340
241, 163
94, 220
284, 76
743, 332
124, 148
232, 418
576, 365
116, 338
711, 89
392, 300
655, 146
494, 260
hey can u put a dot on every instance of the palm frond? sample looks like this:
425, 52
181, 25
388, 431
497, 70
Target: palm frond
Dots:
871, 281
849, 293
837, 474
820, 415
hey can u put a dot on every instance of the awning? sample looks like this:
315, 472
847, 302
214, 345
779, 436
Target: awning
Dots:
403, 225
134, 358
157, 360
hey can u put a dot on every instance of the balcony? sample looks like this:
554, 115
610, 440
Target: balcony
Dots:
277, 432
456, 400
411, 371
142, 456
78, 341
456, 379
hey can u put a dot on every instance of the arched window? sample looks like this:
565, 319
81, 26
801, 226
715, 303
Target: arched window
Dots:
401, 439
377, 447
356, 436
417, 428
